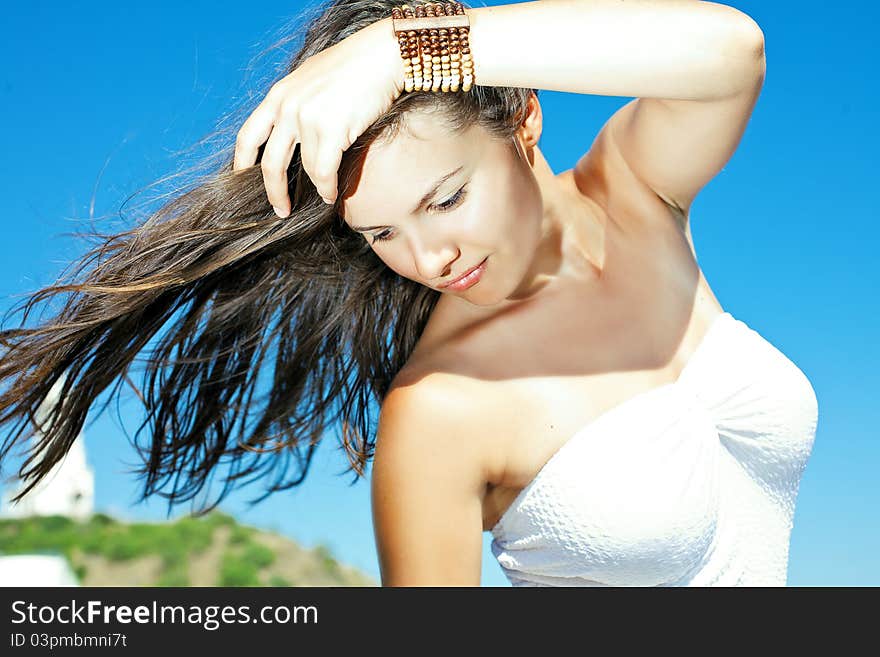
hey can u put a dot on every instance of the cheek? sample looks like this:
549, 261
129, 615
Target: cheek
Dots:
398, 262
508, 213
524, 211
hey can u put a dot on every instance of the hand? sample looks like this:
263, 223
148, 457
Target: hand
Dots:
324, 105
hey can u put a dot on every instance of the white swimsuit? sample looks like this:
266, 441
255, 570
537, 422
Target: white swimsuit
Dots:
692, 483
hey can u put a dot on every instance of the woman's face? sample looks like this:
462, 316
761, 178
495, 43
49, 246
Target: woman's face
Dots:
489, 208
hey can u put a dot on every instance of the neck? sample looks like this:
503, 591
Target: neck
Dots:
572, 243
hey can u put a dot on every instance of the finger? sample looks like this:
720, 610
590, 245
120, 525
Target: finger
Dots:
276, 159
255, 131
321, 162
253, 134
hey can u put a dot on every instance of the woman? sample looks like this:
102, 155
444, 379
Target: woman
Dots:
549, 361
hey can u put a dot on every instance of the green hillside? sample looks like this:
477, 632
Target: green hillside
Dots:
213, 550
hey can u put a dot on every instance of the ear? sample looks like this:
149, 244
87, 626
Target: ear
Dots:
532, 123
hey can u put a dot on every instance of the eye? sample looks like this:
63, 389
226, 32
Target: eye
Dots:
446, 206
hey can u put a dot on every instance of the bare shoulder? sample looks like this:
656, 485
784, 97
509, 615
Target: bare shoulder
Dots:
433, 412
427, 487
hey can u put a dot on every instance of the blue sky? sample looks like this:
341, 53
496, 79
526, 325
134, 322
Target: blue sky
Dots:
99, 98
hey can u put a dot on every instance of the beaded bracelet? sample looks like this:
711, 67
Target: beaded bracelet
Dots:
433, 40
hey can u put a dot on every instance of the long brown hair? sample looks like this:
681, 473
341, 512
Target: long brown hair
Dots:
222, 285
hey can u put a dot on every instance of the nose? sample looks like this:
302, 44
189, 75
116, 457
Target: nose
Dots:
435, 262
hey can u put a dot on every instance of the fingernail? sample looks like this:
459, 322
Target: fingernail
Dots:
327, 201
278, 212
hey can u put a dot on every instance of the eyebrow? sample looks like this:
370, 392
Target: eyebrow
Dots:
427, 197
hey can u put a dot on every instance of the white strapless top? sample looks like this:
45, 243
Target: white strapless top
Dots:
691, 483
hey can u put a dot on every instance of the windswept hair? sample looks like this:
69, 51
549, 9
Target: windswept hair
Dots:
221, 285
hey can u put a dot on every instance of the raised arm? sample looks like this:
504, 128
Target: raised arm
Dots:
695, 68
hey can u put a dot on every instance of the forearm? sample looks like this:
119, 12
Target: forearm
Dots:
675, 49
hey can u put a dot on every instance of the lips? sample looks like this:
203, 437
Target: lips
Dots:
464, 275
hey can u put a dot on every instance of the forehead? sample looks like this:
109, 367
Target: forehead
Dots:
396, 173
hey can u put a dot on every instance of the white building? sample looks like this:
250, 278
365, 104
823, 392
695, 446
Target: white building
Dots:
68, 489
36, 570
